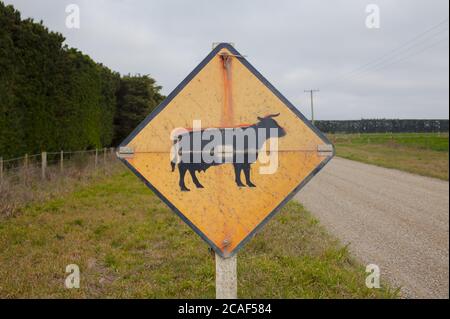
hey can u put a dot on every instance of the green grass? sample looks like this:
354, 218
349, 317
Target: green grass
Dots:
424, 154
128, 244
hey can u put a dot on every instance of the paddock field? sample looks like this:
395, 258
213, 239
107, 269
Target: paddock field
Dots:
419, 153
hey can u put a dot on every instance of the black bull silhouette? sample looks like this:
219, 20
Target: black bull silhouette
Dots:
243, 154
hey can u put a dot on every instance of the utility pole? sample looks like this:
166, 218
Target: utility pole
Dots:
312, 102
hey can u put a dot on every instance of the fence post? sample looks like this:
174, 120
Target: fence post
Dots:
43, 164
25, 161
104, 156
61, 162
96, 157
1, 169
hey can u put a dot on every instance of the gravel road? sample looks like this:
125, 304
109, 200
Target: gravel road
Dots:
396, 220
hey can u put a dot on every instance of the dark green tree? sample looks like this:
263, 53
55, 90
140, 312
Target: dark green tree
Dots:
137, 97
51, 97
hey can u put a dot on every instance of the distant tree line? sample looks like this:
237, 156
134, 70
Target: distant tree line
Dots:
53, 97
383, 126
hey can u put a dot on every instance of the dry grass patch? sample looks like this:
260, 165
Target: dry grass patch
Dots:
23, 185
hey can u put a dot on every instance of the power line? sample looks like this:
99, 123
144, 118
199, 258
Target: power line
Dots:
383, 66
405, 44
392, 54
382, 63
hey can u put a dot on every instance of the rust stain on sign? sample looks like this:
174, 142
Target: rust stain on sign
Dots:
226, 121
226, 202
227, 113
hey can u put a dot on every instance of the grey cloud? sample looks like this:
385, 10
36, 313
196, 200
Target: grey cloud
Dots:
297, 45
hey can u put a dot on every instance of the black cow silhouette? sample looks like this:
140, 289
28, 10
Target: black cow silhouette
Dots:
243, 154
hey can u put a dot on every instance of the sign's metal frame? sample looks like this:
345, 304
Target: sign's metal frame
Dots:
163, 104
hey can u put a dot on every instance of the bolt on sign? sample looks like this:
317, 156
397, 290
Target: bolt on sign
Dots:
225, 150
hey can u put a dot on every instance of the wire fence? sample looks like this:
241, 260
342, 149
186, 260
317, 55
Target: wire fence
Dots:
47, 161
37, 177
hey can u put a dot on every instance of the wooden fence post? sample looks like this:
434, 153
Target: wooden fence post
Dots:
1, 169
43, 164
61, 161
96, 157
104, 156
25, 161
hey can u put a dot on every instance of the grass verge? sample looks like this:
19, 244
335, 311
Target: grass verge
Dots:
424, 154
128, 244
23, 186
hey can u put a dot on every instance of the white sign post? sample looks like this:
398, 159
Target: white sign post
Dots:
226, 277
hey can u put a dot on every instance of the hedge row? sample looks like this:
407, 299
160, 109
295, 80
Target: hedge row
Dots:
383, 126
53, 97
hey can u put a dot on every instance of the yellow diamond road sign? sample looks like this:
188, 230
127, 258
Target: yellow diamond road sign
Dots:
225, 150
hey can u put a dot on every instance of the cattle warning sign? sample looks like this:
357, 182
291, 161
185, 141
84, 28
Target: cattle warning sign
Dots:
225, 150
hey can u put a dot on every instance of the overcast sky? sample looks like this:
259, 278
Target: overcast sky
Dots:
399, 70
